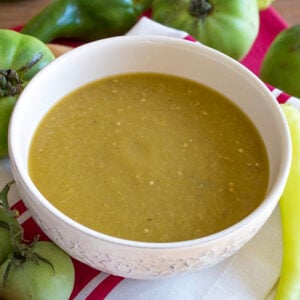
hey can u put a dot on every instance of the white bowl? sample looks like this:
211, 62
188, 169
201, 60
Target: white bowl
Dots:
151, 54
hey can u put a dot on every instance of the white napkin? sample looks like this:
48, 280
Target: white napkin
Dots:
251, 274
146, 26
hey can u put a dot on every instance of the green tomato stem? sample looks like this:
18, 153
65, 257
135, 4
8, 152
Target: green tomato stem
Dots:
3, 195
200, 8
11, 83
16, 230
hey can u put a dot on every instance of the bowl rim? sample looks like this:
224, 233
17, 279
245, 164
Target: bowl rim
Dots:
22, 175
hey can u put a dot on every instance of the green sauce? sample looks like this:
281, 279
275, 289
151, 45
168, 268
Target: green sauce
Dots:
149, 157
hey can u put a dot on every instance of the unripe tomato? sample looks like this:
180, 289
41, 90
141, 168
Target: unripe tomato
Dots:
37, 279
230, 26
281, 64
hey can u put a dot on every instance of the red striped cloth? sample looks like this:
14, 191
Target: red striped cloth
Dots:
92, 284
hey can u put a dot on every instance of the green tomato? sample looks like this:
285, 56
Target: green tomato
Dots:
5, 242
39, 280
6, 107
281, 64
21, 56
228, 26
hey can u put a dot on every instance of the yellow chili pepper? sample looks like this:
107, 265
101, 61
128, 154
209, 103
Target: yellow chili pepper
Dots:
289, 282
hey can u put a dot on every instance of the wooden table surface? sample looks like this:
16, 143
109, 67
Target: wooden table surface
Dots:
17, 12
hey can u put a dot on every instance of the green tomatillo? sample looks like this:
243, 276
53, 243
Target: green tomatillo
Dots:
228, 26
21, 57
281, 64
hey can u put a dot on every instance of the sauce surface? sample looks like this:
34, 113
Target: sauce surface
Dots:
149, 157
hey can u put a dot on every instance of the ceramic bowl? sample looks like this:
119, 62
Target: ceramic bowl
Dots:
187, 59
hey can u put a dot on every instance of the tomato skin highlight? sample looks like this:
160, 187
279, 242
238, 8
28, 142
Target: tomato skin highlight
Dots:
39, 280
